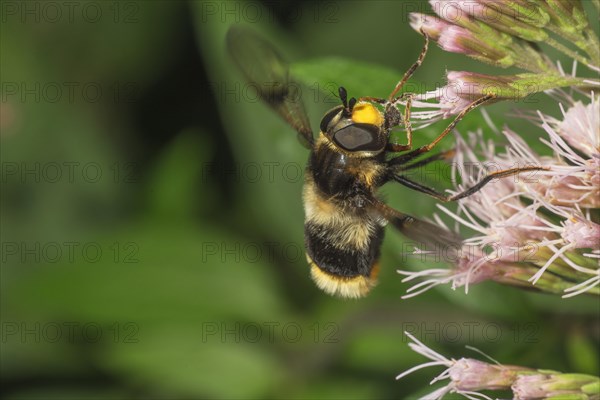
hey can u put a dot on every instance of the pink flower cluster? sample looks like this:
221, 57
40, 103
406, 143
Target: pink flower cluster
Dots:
534, 222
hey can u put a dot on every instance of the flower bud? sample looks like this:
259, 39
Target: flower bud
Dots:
431, 25
470, 374
509, 18
554, 384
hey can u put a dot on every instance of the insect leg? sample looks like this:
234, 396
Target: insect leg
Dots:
412, 69
373, 99
399, 162
460, 116
467, 192
446, 155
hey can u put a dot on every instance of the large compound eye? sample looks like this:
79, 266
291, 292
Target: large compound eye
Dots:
329, 116
359, 137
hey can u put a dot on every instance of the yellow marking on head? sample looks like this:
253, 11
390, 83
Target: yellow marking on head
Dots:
348, 287
366, 113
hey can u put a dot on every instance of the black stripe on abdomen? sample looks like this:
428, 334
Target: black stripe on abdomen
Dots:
347, 262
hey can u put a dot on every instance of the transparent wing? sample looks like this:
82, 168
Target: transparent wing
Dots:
427, 236
264, 67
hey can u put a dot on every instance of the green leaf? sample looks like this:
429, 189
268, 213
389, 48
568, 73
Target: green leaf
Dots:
340, 388
379, 349
176, 359
178, 280
173, 188
152, 271
359, 78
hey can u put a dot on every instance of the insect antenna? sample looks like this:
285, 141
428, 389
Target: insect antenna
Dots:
351, 104
343, 96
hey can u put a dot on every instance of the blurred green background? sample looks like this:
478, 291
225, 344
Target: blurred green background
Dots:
152, 223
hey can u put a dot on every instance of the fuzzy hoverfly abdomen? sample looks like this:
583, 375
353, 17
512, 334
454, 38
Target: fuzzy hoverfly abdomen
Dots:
342, 246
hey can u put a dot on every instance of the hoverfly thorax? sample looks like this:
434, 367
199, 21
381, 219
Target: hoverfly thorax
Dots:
355, 128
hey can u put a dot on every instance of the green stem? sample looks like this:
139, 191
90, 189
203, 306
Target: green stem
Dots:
567, 35
565, 50
527, 84
540, 62
577, 40
593, 46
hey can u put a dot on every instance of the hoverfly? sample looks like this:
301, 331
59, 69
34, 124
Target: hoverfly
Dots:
349, 160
